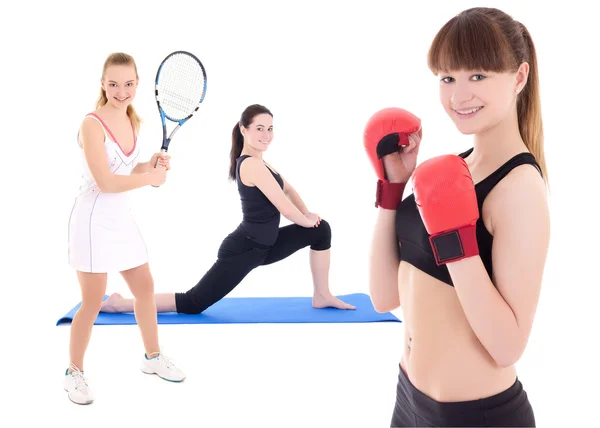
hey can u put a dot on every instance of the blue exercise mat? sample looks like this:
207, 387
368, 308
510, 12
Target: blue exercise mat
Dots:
247, 310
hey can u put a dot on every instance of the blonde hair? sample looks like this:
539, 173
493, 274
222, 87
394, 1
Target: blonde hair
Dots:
483, 38
119, 58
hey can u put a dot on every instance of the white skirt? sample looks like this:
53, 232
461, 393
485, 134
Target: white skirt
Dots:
103, 236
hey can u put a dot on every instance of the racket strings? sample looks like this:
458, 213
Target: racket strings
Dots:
180, 86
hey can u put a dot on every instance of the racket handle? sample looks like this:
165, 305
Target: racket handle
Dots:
163, 151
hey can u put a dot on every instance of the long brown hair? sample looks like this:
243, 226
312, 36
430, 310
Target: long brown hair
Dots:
483, 38
120, 58
237, 139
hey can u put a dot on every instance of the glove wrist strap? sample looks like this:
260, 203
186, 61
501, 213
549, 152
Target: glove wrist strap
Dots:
389, 195
454, 245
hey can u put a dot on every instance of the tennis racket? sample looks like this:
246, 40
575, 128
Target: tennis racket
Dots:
180, 89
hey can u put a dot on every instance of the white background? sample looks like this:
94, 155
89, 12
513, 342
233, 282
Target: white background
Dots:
322, 68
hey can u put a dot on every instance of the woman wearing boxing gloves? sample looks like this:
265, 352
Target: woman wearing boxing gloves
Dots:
258, 240
464, 254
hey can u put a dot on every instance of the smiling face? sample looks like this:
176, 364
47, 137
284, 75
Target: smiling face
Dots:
259, 133
120, 84
477, 101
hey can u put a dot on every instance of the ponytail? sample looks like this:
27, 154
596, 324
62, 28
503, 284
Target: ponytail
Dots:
136, 120
101, 99
529, 109
237, 144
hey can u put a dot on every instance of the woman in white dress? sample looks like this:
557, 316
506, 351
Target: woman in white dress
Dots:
103, 235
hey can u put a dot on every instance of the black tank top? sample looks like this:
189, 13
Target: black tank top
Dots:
414, 239
260, 217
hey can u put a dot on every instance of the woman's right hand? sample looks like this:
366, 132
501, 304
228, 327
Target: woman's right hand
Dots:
157, 176
400, 165
313, 220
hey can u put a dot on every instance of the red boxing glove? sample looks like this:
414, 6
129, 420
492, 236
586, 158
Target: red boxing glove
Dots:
387, 132
445, 196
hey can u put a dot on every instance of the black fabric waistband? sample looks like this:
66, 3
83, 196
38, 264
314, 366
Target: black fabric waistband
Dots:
468, 413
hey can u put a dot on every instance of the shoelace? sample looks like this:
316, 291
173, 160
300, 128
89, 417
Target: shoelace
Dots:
165, 361
78, 377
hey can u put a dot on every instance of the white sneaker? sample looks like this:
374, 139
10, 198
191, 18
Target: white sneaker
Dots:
76, 386
163, 367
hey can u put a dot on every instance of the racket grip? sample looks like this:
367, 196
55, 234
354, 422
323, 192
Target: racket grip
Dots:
164, 151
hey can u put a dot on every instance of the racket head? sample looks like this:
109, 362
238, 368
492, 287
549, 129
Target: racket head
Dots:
180, 86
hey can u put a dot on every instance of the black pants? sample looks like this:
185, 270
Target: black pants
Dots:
509, 408
238, 255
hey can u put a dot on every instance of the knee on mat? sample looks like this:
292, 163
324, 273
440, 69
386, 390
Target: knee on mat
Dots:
186, 305
323, 237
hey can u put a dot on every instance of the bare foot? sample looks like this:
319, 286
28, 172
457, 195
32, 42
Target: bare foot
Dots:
329, 301
112, 303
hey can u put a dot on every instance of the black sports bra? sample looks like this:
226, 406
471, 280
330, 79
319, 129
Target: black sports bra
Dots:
414, 239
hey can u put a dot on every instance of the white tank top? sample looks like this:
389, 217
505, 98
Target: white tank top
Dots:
119, 162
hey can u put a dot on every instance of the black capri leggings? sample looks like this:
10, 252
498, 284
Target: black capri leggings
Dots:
238, 255
509, 408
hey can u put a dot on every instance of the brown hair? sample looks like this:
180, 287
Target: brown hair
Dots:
237, 139
483, 38
119, 58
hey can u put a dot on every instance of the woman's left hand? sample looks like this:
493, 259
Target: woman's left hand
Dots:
163, 160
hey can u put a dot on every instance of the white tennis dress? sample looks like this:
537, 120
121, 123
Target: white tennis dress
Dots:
103, 236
